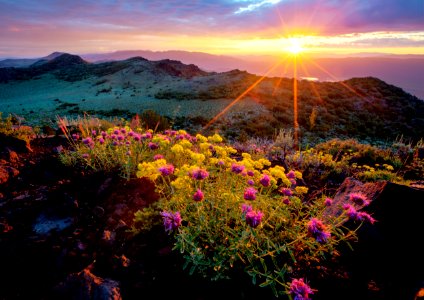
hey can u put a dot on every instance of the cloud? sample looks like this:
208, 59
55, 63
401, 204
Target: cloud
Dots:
256, 5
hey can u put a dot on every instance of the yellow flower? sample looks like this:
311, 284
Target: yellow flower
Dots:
197, 157
185, 144
177, 149
301, 189
298, 174
216, 138
182, 182
201, 138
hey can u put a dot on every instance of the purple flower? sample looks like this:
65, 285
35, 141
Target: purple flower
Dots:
250, 173
350, 211
137, 137
293, 181
101, 141
103, 134
116, 132
171, 220
93, 132
328, 201
123, 131
250, 182
115, 143
250, 193
318, 230
87, 141
131, 133
153, 146
254, 218
359, 199
158, 156
286, 200
286, 192
121, 137
128, 153
198, 195
265, 180
221, 163
85, 155
363, 216
291, 175
167, 170
237, 168
245, 208
199, 174
300, 289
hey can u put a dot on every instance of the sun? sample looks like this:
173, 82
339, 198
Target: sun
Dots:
295, 46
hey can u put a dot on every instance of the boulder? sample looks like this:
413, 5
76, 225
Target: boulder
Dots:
85, 285
388, 255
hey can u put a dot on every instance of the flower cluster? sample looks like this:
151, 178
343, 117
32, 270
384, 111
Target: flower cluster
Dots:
318, 230
171, 220
300, 289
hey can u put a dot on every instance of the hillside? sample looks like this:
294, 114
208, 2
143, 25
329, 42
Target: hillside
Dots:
363, 108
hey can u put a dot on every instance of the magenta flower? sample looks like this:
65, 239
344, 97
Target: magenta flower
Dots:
116, 132
254, 218
93, 132
359, 199
364, 217
286, 192
131, 133
123, 131
265, 180
198, 195
328, 201
85, 155
199, 174
291, 175
101, 141
221, 163
137, 137
318, 230
250, 173
167, 170
171, 220
350, 211
250, 193
121, 137
286, 200
158, 156
87, 141
237, 168
300, 289
250, 182
245, 208
293, 181
128, 153
103, 134
153, 146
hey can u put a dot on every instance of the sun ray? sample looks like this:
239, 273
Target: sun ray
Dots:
336, 79
214, 119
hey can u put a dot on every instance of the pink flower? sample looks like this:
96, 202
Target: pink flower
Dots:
250, 193
167, 170
359, 199
198, 195
286, 200
364, 217
250, 182
318, 230
291, 175
254, 218
171, 220
265, 180
153, 146
199, 174
250, 173
328, 201
237, 168
300, 289
286, 192
158, 156
350, 211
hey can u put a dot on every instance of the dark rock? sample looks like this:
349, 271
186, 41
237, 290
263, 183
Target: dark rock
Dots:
4, 175
13, 143
12, 171
99, 211
388, 253
87, 286
45, 225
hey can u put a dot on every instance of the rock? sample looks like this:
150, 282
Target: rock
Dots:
99, 211
87, 286
13, 143
4, 175
12, 171
389, 252
13, 156
45, 225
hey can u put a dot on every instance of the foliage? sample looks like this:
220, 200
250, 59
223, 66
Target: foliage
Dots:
10, 126
229, 212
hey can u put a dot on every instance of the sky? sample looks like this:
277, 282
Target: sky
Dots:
233, 27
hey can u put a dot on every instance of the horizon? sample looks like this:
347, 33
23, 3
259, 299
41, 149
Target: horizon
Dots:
235, 28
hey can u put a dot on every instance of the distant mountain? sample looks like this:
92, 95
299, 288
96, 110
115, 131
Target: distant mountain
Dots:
364, 108
26, 62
